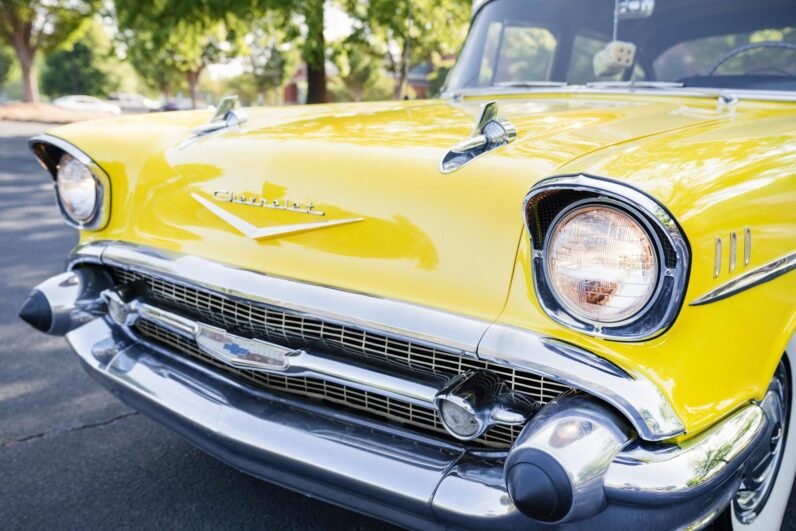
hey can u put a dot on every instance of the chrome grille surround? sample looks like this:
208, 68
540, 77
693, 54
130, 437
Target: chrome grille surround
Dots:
296, 330
639, 398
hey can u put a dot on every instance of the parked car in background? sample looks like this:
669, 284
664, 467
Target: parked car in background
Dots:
184, 104
86, 104
133, 103
564, 294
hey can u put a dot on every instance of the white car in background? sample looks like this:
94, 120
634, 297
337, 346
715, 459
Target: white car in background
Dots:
86, 104
132, 102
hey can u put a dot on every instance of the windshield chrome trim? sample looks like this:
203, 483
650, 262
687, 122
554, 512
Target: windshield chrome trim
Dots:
748, 280
645, 405
685, 92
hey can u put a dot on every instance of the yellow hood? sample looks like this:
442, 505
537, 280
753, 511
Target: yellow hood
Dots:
441, 240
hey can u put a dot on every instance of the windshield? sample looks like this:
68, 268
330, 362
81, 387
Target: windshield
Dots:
740, 44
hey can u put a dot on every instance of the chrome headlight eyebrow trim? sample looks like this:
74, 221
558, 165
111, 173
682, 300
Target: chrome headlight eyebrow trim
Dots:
659, 314
48, 150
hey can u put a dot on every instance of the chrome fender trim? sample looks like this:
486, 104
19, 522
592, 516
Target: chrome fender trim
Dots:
640, 400
748, 280
649, 473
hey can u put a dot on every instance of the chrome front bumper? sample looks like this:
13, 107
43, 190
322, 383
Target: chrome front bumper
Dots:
398, 475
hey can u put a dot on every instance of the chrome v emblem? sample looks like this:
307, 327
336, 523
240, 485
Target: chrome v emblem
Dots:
263, 233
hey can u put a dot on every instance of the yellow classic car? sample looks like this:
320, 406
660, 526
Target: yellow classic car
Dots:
561, 294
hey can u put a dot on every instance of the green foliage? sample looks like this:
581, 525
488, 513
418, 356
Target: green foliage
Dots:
271, 54
436, 80
359, 64
31, 26
410, 32
166, 49
85, 65
74, 71
6, 58
45, 23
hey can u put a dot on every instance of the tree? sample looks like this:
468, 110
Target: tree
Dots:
271, 55
5, 65
163, 45
73, 72
436, 80
314, 49
40, 25
82, 66
359, 64
151, 62
411, 31
204, 13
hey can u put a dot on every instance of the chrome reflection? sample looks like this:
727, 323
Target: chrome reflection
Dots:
763, 465
646, 472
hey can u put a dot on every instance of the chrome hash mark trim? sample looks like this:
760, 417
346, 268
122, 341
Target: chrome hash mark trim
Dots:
263, 233
637, 397
755, 277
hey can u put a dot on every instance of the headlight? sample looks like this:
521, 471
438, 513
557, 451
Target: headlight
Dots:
601, 263
77, 189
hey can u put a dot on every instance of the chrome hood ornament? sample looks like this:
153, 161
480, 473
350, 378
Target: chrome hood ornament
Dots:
490, 132
263, 233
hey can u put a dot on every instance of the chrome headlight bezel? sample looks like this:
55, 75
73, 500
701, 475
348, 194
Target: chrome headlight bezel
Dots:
49, 150
550, 200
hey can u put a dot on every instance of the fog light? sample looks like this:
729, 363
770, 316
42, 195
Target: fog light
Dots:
458, 420
473, 402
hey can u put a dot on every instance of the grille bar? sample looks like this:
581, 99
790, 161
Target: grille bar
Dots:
300, 331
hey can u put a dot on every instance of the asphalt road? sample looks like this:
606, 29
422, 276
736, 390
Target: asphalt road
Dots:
74, 457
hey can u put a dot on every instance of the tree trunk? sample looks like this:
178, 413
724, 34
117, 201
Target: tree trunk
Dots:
403, 73
30, 83
316, 84
357, 93
315, 53
193, 80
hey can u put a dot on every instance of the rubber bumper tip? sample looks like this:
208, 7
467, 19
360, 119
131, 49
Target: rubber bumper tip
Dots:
539, 493
36, 311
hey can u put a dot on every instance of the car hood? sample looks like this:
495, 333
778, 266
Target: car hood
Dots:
405, 231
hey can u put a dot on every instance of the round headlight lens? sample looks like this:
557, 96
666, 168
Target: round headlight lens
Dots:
601, 264
77, 189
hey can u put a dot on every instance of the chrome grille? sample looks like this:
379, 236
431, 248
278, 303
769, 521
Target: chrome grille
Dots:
380, 406
296, 330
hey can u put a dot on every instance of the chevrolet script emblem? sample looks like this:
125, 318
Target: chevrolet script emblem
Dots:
263, 233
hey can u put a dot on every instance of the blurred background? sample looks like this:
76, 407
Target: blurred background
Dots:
65, 59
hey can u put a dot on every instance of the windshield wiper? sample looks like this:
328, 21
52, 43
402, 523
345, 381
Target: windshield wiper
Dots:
531, 84
635, 84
